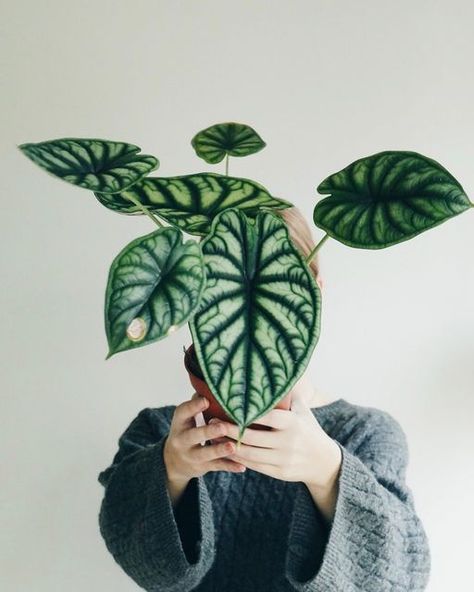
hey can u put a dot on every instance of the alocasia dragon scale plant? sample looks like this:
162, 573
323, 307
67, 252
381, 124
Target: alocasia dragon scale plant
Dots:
251, 301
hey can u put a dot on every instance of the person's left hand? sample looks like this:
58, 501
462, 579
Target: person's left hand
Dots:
295, 449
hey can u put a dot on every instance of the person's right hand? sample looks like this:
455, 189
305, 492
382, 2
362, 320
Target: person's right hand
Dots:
183, 453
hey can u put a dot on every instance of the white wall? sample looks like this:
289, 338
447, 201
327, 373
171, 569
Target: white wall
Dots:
324, 83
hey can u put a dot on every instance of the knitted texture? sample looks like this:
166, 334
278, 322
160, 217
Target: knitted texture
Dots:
250, 532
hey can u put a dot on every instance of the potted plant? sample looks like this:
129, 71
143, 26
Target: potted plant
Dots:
252, 304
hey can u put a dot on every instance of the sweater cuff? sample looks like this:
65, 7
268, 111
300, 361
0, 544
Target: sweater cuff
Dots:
178, 552
139, 525
310, 565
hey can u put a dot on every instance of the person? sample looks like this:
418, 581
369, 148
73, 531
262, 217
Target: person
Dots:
317, 503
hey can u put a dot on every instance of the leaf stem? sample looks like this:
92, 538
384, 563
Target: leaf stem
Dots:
313, 252
144, 209
227, 164
239, 437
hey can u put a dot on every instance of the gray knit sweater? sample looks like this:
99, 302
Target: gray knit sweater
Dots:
250, 532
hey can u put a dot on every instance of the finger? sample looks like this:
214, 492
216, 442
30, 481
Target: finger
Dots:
218, 440
204, 454
260, 438
299, 405
279, 419
263, 468
185, 412
214, 421
227, 465
259, 455
200, 434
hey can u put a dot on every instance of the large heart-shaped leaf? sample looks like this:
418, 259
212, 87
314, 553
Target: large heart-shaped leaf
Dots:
155, 284
259, 317
387, 198
235, 139
190, 202
99, 165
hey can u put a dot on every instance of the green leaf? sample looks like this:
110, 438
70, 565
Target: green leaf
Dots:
98, 165
235, 139
259, 317
190, 202
155, 284
386, 198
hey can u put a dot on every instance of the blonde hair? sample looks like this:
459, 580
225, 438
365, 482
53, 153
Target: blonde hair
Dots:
300, 234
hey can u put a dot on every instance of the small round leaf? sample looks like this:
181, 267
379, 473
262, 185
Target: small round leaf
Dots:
235, 139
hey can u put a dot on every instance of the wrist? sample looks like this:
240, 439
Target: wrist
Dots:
172, 475
325, 472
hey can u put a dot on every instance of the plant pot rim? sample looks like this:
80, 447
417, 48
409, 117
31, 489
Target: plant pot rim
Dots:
190, 351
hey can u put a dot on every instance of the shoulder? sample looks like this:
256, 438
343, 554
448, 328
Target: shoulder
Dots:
369, 415
150, 423
158, 418
373, 424
375, 433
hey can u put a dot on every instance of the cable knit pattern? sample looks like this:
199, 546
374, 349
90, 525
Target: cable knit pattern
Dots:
250, 532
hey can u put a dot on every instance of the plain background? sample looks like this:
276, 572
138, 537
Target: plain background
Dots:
324, 83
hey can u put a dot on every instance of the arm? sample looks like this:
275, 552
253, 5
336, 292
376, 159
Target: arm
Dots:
325, 493
151, 539
175, 488
375, 541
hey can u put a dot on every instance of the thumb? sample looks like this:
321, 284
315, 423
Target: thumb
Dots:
299, 404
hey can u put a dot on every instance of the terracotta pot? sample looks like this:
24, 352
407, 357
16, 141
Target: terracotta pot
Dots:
200, 386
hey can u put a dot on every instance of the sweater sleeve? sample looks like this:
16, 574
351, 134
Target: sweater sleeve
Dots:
375, 541
163, 549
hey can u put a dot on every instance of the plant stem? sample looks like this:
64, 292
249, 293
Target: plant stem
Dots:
144, 209
313, 252
239, 437
227, 164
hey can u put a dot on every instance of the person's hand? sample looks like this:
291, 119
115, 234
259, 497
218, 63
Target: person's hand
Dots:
185, 457
295, 449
